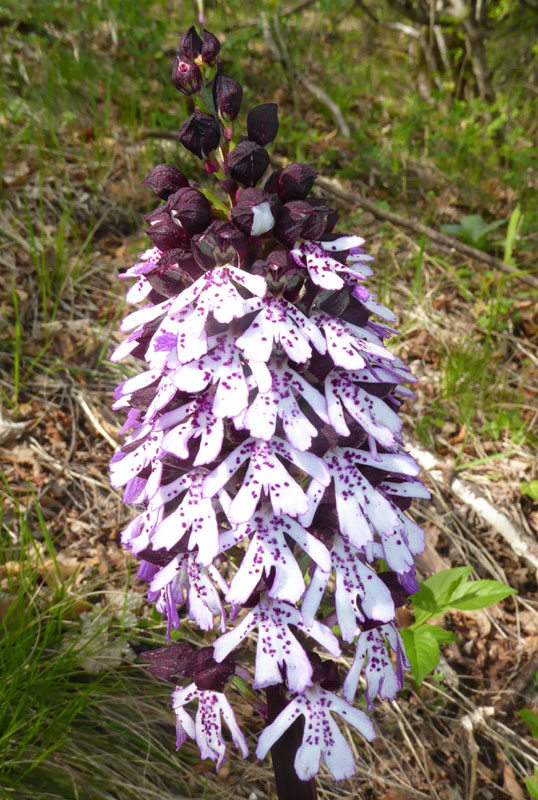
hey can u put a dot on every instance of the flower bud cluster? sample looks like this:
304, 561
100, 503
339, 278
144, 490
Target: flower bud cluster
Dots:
264, 449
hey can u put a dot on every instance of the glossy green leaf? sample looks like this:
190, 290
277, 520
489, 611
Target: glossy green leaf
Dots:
532, 784
531, 719
479, 594
441, 586
422, 648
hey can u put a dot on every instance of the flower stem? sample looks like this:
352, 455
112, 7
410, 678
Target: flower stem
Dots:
288, 785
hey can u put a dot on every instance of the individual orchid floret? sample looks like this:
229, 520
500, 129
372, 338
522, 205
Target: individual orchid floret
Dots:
282, 323
182, 580
325, 270
213, 707
322, 738
189, 209
165, 234
360, 593
221, 243
141, 450
372, 655
299, 219
348, 345
186, 75
294, 182
195, 515
227, 96
371, 412
277, 646
266, 473
255, 212
269, 550
221, 367
210, 48
193, 420
190, 44
281, 401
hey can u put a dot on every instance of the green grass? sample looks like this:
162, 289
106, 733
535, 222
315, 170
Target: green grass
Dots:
68, 731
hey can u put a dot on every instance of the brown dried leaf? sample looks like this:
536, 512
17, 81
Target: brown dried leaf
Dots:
511, 785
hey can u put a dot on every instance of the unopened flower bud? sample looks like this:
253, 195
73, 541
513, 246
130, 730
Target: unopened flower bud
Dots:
200, 134
262, 123
316, 224
175, 270
227, 95
255, 212
180, 261
292, 183
186, 75
165, 234
247, 162
210, 48
299, 220
190, 44
164, 180
222, 243
190, 209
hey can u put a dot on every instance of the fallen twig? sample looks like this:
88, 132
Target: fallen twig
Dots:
278, 48
442, 472
476, 719
317, 92
334, 188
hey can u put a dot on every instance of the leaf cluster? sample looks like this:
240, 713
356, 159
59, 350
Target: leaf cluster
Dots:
447, 590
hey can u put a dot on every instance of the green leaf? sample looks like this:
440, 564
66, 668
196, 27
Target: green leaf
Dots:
514, 226
479, 594
530, 489
474, 229
422, 648
442, 635
441, 586
493, 226
453, 230
425, 599
532, 784
531, 719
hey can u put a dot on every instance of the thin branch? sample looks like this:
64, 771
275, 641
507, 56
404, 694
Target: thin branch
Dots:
324, 98
286, 12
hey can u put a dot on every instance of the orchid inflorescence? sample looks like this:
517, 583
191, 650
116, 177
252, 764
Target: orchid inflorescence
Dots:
265, 452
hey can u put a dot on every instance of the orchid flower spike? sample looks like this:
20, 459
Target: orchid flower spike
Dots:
264, 451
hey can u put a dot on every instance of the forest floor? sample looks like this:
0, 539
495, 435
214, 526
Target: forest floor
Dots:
79, 717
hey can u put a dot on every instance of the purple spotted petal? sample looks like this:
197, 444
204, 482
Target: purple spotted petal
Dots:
372, 655
213, 707
322, 738
277, 646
